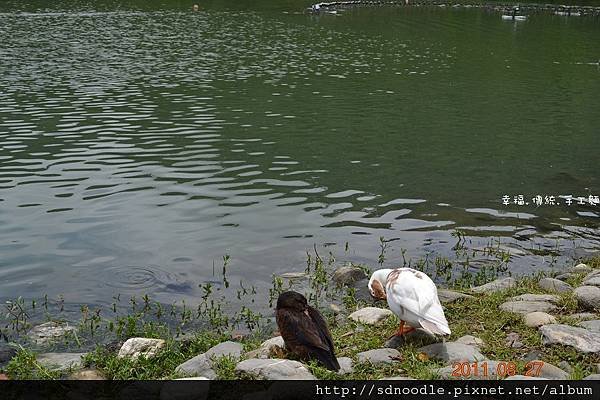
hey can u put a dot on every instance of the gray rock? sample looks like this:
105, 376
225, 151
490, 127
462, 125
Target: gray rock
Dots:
346, 365
582, 339
450, 296
592, 377
552, 298
537, 319
593, 325
197, 366
49, 332
592, 274
136, 347
550, 371
593, 281
588, 297
348, 274
172, 390
524, 378
6, 353
514, 340
526, 307
370, 315
495, 286
565, 276
554, 285
225, 349
583, 316
418, 336
335, 308
379, 356
452, 352
274, 369
60, 361
533, 355
267, 348
486, 370
580, 269
565, 366
471, 341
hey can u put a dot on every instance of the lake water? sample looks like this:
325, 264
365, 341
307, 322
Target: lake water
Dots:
140, 143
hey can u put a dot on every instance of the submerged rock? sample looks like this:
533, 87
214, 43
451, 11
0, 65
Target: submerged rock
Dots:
554, 285
136, 347
538, 318
588, 297
274, 369
580, 338
348, 274
452, 352
496, 286
450, 296
49, 332
526, 307
60, 361
370, 315
379, 356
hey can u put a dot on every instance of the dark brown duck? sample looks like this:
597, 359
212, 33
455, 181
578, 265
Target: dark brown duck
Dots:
304, 330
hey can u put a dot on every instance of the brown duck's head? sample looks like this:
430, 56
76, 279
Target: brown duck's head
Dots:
292, 300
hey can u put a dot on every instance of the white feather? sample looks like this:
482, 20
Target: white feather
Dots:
413, 297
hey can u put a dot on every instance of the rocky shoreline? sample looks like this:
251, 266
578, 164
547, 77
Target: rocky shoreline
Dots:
527, 328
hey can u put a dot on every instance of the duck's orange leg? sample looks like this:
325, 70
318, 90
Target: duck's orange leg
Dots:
403, 329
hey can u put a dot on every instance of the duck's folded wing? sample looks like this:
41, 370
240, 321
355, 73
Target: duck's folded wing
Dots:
419, 296
298, 329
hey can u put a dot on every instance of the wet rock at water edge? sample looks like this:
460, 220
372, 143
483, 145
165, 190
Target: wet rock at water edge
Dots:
347, 275
49, 332
495, 286
60, 361
370, 315
588, 297
379, 356
274, 369
554, 285
136, 347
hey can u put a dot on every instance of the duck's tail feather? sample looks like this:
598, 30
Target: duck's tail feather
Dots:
435, 328
328, 359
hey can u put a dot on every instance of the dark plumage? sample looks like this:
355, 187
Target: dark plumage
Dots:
304, 330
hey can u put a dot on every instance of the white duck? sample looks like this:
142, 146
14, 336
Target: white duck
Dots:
412, 296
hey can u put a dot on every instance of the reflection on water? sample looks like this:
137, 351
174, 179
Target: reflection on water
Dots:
139, 147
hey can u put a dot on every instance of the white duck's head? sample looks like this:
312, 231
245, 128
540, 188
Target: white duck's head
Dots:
377, 283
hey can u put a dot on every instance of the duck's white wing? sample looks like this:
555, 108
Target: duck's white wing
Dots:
413, 293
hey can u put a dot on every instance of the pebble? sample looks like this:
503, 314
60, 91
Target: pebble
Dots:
346, 365
495, 286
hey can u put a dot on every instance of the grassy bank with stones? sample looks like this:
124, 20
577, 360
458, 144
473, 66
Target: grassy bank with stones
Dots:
475, 317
